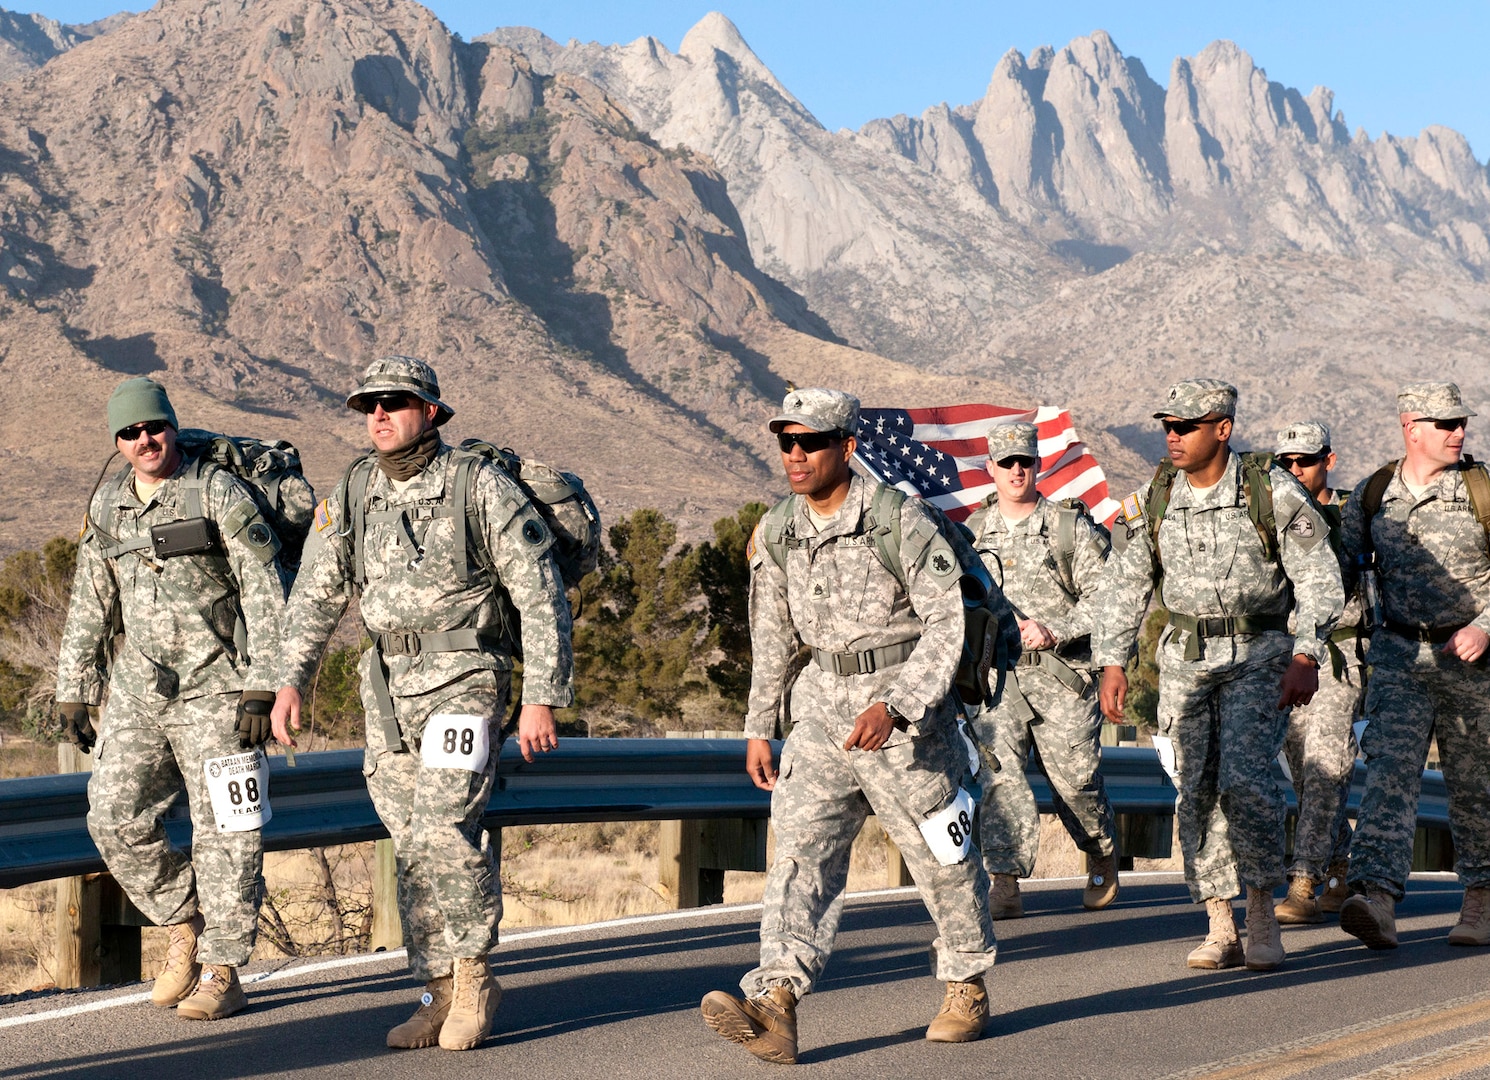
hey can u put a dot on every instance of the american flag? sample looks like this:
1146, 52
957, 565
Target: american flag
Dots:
940, 454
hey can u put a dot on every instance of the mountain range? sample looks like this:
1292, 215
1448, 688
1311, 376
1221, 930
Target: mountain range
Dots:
618, 257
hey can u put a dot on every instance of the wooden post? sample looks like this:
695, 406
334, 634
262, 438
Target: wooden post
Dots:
677, 862
387, 930
77, 915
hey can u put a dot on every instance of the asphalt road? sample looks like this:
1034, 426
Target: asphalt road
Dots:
1074, 995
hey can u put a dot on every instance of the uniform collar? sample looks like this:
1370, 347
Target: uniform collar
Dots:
847, 521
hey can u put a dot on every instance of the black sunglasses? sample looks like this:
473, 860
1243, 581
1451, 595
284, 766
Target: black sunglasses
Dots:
1303, 461
1184, 427
810, 441
1443, 425
1016, 459
149, 427
389, 402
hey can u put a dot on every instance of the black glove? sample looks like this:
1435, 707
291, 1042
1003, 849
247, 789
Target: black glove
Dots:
76, 725
253, 717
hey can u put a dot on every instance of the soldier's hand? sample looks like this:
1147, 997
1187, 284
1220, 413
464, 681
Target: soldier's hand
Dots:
1300, 682
1034, 635
285, 716
871, 728
76, 725
1114, 694
536, 730
254, 723
759, 764
1468, 644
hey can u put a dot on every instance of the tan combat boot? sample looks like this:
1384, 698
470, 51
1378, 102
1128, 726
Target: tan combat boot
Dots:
1004, 901
962, 1015
423, 1028
1372, 917
1299, 906
1221, 949
1101, 882
179, 977
1264, 939
218, 995
1474, 919
1336, 892
473, 1005
766, 1024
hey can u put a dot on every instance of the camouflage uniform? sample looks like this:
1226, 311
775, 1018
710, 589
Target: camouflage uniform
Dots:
173, 689
1060, 719
836, 597
1218, 695
438, 649
1435, 578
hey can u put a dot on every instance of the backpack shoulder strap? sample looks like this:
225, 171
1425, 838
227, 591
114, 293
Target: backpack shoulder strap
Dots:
1158, 501
1371, 496
883, 523
775, 530
1066, 513
1257, 485
353, 493
1477, 483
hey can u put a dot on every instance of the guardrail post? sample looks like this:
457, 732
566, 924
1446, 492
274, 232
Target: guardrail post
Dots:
692, 856
387, 930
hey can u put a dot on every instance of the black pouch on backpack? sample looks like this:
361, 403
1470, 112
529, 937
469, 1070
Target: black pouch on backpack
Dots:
194, 536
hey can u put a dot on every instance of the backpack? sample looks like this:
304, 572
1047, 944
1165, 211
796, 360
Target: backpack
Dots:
1476, 485
559, 497
1063, 549
1257, 486
989, 638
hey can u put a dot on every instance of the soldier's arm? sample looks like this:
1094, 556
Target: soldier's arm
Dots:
82, 669
1127, 584
1088, 562
252, 551
932, 573
773, 640
322, 590
520, 543
1311, 565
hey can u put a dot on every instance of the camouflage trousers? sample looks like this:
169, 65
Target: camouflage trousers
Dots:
823, 794
1221, 712
1416, 692
146, 754
449, 885
1064, 734
1320, 750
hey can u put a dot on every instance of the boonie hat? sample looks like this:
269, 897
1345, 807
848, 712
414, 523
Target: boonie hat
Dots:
1019, 439
402, 374
1304, 437
1437, 400
135, 401
1196, 398
820, 410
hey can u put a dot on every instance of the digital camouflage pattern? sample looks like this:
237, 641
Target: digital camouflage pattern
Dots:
1435, 573
1220, 710
449, 892
173, 693
835, 595
1022, 558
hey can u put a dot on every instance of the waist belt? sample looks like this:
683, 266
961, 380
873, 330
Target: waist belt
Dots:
1223, 626
864, 663
411, 643
1428, 635
1339, 636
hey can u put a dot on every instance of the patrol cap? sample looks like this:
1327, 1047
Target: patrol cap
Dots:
402, 374
1304, 437
1436, 400
820, 410
1019, 439
135, 401
1195, 398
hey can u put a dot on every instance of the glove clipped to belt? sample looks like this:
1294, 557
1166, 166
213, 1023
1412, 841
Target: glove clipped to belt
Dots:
254, 728
77, 725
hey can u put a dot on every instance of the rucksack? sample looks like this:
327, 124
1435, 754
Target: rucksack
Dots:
1068, 511
1476, 485
559, 497
1257, 486
989, 636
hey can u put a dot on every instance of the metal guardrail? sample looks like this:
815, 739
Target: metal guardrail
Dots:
324, 801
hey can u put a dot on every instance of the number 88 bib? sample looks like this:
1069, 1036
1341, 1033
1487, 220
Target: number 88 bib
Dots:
949, 832
454, 741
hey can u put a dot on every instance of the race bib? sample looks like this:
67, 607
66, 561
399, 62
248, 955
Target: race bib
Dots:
239, 788
1358, 729
974, 759
950, 833
1283, 764
453, 741
1165, 747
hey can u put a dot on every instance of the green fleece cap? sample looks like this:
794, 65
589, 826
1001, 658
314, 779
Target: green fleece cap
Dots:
134, 401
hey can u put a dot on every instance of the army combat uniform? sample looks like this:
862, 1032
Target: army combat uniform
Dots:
198, 630
439, 656
1052, 702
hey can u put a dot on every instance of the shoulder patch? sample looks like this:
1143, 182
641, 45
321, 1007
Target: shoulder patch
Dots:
750, 544
941, 563
533, 531
1303, 527
1133, 511
322, 520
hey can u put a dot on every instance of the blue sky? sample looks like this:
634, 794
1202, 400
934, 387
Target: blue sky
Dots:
1394, 66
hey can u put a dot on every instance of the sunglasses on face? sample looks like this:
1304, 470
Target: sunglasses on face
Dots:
1302, 461
134, 431
387, 402
1185, 427
810, 441
1443, 425
1012, 460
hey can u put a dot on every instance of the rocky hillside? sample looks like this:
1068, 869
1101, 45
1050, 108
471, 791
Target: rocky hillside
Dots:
29, 41
1083, 228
